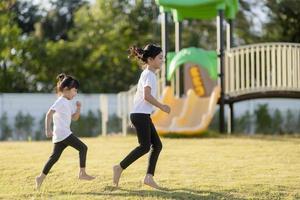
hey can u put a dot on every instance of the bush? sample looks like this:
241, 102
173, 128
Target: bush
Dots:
23, 126
6, 131
87, 126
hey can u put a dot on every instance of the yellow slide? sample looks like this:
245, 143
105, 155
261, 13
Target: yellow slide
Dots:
189, 115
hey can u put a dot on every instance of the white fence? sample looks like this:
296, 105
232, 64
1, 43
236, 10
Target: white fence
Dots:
125, 103
36, 105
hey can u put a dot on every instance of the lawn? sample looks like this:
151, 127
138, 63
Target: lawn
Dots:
190, 168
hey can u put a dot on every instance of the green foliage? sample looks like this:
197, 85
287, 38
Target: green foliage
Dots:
13, 78
262, 119
59, 20
87, 125
23, 126
6, 131
26, 15
297, 121
89, 42
277, 122
114, 124
40, 132
289, 124
268, 122
243, 123
283, 24
214, 125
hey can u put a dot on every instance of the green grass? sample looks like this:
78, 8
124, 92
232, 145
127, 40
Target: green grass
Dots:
191, 168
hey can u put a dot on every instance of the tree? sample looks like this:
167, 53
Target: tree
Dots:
243, 123
89, 41
289, 124
26, 15
40, 132
244, 32
114, 124
6, 131
277, 122
214, 125
298, 123
13, 78
93, 48
283, 24
87, 125
263, 119
112, 27
23, 125
59, 19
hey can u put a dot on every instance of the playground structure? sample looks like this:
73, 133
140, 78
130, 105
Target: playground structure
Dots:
264, 70
192, 112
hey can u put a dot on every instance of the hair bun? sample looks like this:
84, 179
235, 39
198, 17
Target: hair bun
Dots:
61, 76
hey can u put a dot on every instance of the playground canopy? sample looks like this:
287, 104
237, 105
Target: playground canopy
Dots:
206, 59
198, 9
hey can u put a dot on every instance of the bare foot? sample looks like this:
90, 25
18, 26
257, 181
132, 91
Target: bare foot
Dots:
150, 182
85, 177
38, 181
117, 171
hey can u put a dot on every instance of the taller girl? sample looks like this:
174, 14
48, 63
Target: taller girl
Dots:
151, 57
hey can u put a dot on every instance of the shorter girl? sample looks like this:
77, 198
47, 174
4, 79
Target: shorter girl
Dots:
62, 112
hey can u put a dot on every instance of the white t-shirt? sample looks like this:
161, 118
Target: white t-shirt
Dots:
140, 105
62, 118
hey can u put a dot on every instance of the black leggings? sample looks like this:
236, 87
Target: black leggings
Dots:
72, 141
148, 139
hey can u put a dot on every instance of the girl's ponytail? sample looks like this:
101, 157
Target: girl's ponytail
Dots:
142, 55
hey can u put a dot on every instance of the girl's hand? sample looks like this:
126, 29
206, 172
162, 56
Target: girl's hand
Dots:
49, 133
78, 104
166, 108
131, 125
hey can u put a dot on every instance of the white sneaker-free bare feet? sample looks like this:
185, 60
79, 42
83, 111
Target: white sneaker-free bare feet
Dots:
150, 182
39, 180
117, 171
84, 176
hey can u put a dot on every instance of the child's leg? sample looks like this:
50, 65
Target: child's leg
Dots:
155, 150
117, 171
142, 125
154, 153
76, 143
57, 151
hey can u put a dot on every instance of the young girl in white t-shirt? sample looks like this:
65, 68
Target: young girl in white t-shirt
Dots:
62, 112
151, 57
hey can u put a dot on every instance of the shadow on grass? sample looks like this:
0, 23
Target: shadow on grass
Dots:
264, 137
179, 193
209, 134
205, 134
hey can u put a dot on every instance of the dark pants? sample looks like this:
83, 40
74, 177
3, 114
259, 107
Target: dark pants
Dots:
147, 138
59, 147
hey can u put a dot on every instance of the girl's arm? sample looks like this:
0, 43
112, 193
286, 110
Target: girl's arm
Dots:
76, 115
48, 121
148, 97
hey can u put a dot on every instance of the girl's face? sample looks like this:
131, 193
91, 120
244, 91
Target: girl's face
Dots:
157, 62
70, 94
